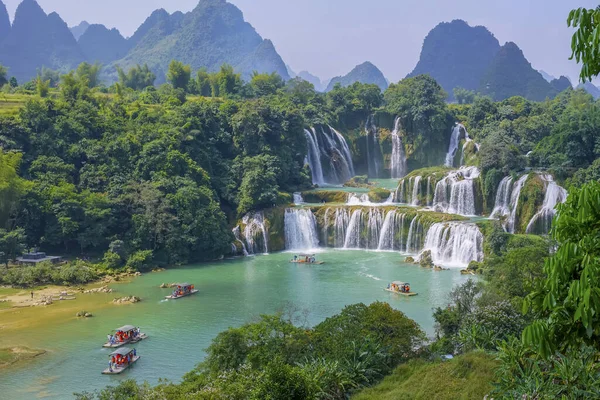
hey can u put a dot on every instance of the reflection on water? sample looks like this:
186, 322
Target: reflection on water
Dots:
232, 293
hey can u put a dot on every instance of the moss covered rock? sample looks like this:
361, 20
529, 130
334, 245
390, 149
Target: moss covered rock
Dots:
530, 201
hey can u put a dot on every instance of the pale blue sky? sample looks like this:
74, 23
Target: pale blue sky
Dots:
329, 37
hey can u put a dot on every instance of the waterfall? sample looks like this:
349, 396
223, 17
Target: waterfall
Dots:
542, 220
358, 200
415, 236
415, 191
374, 156
342, 219
386, 239
400, 194
314, 158
345, 151
374, 228
502, 204
398, 161
298, 198
454, 243
238, 237
300, 229
352, 240
428, 191
507, 201
455, 194
453, 148
255, 233
328, 156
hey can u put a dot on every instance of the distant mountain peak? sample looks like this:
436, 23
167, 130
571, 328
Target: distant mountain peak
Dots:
80, 29
213, 33
37, 40
104, 45
456, 54
511, 74
366, 72
4, 21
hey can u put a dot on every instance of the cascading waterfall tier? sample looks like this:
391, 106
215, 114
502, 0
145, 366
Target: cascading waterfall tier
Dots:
328, 156
454, 243
355, 199
455, 194
372, 228
383, 229
300, 229
541, 222
507, 201
374, 156
398, 161
254, 236
298, 198
453, 147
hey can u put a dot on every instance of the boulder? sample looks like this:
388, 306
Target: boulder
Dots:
410, 260
127, 299
426, 260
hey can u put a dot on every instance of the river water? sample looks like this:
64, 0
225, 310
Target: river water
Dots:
232, 292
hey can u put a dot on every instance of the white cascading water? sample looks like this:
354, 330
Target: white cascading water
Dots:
398, 160
345, 151
453, 147
300, 230
428, 196
415, 192
542, 220
331, 149
374, 157
298, 198
455, 194
454, 243
502, 204
314, 158
399, 195
342, 220
255, 233
352, 240
413, 240
507, 201
355, 199
238, 238
374, 226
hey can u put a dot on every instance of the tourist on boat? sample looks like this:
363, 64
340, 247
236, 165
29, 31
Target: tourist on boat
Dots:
295, 258
134, 352
110, 366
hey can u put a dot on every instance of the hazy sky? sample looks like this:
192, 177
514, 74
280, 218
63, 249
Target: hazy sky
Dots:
330, 37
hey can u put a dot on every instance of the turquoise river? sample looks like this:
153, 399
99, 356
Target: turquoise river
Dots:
232, 292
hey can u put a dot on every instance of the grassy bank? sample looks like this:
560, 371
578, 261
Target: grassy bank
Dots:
466, 377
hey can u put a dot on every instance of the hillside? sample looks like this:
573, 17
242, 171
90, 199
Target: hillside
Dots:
591, 89
80, 29
457, 55
364, 73
561, 84
98, 43
4, 21
315, 80
212, 34
37, 40
510, 74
